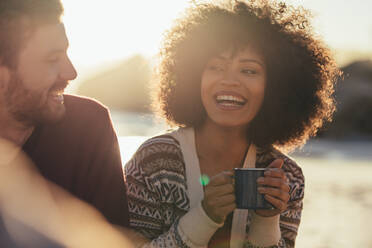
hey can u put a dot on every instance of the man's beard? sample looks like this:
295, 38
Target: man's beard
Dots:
30, 107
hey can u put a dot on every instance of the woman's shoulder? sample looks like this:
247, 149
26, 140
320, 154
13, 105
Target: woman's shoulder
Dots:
160, 144
163, 139
159, 153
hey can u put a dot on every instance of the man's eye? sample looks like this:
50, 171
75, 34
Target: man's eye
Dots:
52, 60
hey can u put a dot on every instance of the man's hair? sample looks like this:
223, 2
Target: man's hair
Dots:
300, 70
18, 18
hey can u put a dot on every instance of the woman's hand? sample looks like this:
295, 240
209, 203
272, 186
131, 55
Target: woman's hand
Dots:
275, 188
219, 197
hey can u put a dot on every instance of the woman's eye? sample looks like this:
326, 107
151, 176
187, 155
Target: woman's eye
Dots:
248, 71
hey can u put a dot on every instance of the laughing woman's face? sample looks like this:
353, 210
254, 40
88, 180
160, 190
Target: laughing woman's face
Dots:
233, 87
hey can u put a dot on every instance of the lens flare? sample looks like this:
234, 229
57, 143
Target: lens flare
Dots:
204, 180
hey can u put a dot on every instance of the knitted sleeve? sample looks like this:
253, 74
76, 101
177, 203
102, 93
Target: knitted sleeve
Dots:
290, 219
156, 188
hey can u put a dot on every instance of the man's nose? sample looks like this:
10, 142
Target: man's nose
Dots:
68, 71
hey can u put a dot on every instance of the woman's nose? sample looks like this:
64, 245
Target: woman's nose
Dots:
229, 77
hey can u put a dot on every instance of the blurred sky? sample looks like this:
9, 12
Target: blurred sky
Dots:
103, 32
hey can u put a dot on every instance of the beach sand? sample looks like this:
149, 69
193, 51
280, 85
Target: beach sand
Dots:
338, 203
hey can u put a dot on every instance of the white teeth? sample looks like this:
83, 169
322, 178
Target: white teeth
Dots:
228, 104
57, 96
56, 93
230, 98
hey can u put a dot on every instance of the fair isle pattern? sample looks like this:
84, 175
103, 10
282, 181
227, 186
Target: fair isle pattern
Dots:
157, 193
157, 190
289, 219
171, 238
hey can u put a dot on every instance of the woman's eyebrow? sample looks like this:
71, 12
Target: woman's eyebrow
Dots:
242, 60
251, 61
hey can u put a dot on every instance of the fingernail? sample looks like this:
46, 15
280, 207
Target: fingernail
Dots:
260, 189
267, 173
260, 180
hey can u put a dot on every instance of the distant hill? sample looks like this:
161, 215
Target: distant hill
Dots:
353, 118
123, 87
345, 57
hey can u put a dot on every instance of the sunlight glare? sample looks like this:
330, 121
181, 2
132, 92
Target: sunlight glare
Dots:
106, 31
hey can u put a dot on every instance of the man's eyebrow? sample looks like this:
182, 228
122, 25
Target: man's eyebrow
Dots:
221, 57
56, 51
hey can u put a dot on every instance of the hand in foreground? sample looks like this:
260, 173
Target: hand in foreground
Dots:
275, 188
48, 209
219, 197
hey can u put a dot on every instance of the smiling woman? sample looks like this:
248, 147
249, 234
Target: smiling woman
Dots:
233, 86
243, 81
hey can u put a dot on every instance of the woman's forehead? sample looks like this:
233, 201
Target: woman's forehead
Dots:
240, 52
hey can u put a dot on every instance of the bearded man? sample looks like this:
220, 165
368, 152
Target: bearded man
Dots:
70, 139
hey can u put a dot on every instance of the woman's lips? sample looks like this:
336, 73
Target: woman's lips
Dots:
229, 100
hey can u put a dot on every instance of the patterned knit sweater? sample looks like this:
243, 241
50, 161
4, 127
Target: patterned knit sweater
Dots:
158, 197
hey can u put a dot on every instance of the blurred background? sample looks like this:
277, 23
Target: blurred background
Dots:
113, 46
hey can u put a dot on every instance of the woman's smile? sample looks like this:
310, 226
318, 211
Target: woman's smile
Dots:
230, 100
233, 86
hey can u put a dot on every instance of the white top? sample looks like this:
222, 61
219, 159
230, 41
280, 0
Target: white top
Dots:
201, 234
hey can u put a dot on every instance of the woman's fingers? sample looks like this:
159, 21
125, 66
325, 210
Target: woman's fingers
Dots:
278, 204
226, 210
277, 163
221, 201
275, 188
274, 172
219, 190
277, 193
275, 177
274, 182
219, 197
225, 177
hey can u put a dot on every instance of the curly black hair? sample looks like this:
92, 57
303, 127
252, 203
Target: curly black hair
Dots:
18, 18
300, 69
